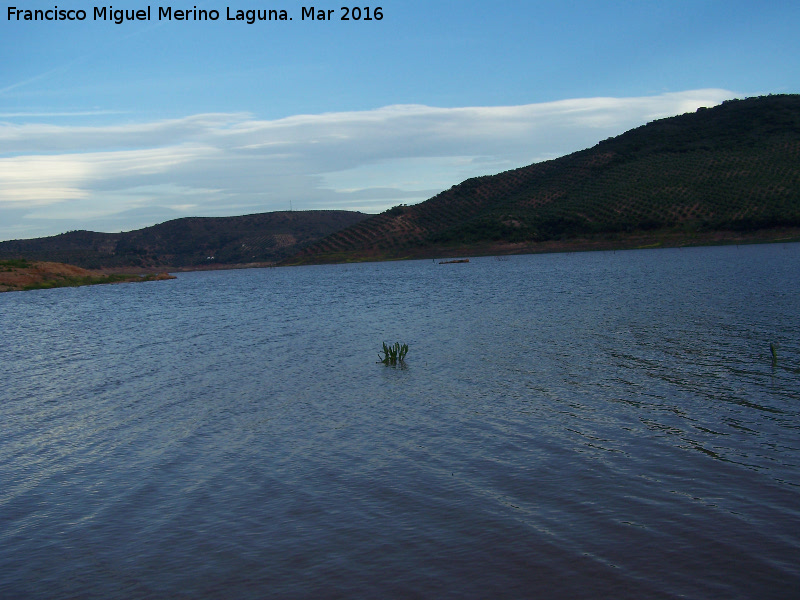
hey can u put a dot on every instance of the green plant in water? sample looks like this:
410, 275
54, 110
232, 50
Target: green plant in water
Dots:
774, 354
393, 354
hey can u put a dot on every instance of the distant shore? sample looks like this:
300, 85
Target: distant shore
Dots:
22, 275
636, 241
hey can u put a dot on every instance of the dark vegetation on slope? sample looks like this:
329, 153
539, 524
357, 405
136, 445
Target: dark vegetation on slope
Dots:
188, 242
734, 168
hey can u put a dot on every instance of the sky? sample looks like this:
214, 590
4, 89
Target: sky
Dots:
113, 127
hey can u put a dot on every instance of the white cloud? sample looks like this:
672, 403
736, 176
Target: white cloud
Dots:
69, 177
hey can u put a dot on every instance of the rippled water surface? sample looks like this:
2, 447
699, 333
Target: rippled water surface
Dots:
590, 425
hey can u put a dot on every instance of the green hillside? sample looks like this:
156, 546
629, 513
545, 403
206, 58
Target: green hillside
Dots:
188, 242
731, 168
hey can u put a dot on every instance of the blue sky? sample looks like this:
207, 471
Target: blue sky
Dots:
115, 127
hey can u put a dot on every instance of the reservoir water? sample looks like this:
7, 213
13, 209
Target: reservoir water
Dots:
589, 425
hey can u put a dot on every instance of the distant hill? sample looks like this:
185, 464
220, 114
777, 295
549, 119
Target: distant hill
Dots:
733, 168
188, 242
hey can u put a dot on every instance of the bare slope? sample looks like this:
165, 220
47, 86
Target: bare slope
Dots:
21, 275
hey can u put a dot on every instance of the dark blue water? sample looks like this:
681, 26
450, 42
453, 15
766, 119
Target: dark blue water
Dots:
588, 425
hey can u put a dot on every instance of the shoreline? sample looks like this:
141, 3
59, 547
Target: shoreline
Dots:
608, 243
23, 276
106, 275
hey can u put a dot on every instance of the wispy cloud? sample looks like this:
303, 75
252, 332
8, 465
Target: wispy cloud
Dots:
47, 114
125, 176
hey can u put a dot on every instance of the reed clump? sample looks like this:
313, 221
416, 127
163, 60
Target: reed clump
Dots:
393, 354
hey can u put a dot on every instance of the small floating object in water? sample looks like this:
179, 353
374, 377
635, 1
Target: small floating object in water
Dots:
774, 354
450, 262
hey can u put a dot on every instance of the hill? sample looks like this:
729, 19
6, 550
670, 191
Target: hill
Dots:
729, 171
190, 242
